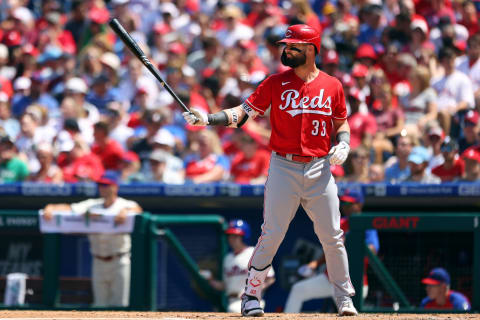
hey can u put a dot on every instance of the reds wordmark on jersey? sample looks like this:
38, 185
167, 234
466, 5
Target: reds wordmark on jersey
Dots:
301, 113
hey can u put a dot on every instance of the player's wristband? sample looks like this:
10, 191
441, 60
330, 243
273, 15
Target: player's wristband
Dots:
218, 119
343, 136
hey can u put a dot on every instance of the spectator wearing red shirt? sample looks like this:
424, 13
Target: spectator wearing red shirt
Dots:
363, 126
250, 165
470, 17
453, 166
78, 163
439, 295
109, 150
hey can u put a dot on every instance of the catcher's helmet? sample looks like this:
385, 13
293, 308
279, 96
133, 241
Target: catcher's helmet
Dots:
302, 33
239, 227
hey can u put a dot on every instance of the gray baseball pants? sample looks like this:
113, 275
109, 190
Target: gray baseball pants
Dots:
312, 185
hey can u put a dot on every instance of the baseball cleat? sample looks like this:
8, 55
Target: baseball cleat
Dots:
345, 307
251, 306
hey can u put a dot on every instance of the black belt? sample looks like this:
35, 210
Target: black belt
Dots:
110, 258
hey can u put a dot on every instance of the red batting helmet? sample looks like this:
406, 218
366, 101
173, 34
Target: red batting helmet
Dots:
302, 33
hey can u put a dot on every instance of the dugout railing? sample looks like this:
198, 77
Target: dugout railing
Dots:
406, 223
147, 230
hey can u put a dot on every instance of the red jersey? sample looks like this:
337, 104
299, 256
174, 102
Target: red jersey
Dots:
244, 170
87, 167
301, 113
111, 155
360, 124
451, 174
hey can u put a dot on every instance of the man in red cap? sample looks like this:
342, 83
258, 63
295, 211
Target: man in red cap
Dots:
471, 156
306, 107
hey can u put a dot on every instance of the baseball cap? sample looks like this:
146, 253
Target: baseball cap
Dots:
352, 196
164, 137
159, 156
3, 97
437, 276
471, 117
449, 145
419, 24
76, 85
110, 59
435, 131
12, 38
419, 155
366, 51
359, 70
99, 15
471, 154
109, 177
330, 56
22, 83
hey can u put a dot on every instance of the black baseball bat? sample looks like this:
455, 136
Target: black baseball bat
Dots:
135, 49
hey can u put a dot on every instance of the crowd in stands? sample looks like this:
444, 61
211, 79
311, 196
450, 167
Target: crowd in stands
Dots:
74, 102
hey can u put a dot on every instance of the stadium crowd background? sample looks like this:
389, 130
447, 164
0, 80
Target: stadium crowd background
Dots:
74, 102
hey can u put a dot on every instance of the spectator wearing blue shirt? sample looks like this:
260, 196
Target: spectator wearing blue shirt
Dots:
102, 93
439, 295
371, 30
399, 170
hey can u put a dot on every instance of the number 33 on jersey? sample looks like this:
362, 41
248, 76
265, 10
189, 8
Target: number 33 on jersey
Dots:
301, 113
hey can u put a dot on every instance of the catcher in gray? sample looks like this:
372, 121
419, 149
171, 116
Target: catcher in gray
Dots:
307, 107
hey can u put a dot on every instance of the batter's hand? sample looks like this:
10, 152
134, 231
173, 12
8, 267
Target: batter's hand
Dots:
339, 153
196, 117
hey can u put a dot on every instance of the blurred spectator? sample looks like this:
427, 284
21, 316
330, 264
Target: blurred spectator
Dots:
12, 168
363, 126
233, 29
418, 163
9, 124
160, 170
454, 90
102, 92
419, 106
48, 172
111, 268
116, 119
250, 165
470, 17
435, 139
371, 29
359, 159
471, 131
453, 167
77, 24
31, 134
205, 162
206, 59
439, 295
376, 173
470, 64
471, 156
399, 170
130, 168
108, 150
78, 163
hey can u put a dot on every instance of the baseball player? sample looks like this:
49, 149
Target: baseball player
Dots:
111, 252
318, 286
307, 108
235, 266
439, 295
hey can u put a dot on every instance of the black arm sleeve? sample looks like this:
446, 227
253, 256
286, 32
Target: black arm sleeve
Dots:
343, 136
218, 119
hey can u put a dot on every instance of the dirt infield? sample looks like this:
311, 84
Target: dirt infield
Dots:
4, 314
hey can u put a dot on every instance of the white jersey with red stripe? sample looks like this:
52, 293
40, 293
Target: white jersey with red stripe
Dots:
301, 112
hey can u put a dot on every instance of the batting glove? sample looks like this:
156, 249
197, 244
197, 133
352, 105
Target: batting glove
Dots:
339, 153
195, 117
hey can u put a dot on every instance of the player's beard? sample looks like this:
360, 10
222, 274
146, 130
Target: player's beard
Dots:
295, 61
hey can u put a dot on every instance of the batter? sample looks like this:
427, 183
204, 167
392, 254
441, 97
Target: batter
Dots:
307, 107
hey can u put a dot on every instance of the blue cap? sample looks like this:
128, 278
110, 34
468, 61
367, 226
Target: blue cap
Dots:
437, 276
110, 177
419, 155
352, 196
50, 53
